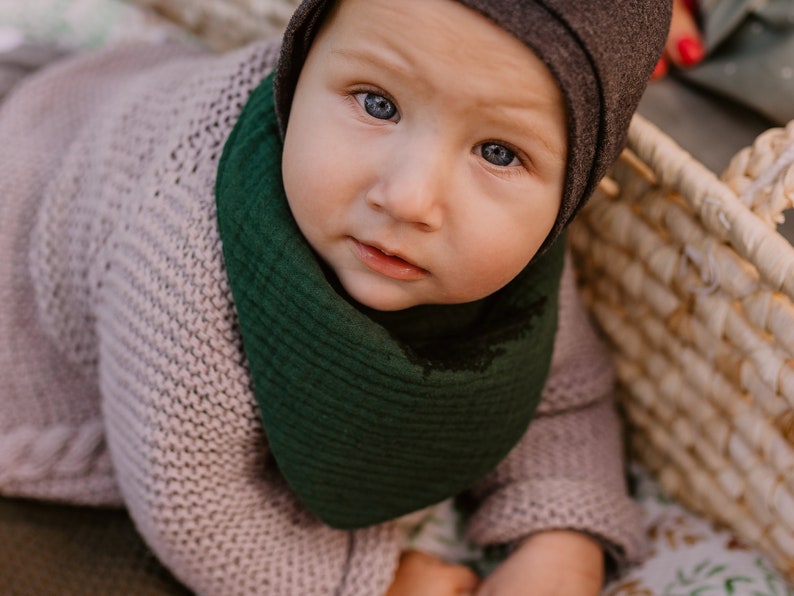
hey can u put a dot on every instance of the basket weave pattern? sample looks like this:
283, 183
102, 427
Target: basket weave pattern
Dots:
694, 288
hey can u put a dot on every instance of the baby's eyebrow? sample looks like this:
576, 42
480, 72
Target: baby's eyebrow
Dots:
521, 118
544, 137
391, 60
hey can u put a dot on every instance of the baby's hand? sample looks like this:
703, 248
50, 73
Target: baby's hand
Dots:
421, 574
555, 563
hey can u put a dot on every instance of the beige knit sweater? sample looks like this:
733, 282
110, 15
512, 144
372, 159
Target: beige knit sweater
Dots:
123, 375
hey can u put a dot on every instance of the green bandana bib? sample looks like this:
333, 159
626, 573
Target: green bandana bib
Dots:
366, 424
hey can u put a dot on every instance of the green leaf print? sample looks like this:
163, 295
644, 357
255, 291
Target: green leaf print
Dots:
774, 583
703, 580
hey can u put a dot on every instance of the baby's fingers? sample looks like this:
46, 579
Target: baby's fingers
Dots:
422, 574
464, 581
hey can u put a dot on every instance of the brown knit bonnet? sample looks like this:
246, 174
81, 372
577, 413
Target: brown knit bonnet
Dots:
601, 52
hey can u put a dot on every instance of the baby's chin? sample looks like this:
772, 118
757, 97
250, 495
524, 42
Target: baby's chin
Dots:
391, 297
380, 295
383, 302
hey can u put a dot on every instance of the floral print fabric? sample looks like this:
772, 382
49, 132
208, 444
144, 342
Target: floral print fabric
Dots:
687, 555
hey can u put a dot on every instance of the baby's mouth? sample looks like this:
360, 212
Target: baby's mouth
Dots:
385, 263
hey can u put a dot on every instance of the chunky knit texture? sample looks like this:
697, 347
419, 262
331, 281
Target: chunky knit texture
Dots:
124, 378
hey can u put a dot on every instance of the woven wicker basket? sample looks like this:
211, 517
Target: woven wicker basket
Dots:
694, 288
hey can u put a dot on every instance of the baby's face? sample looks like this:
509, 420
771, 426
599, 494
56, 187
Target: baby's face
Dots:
425, 152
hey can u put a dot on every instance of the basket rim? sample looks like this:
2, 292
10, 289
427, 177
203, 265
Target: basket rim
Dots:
715, 203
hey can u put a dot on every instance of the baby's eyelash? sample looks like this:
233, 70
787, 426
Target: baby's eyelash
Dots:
498, 154
378, 106
524, 162
374, 103
374, 90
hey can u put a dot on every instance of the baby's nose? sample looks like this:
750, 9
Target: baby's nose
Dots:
412, 193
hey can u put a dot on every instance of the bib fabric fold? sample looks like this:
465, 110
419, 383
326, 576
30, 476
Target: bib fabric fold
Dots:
367, 423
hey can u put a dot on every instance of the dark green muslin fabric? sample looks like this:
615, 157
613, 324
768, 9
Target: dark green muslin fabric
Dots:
364, 426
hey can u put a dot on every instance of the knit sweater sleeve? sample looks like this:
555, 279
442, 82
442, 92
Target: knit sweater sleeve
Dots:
130, 222
567, 471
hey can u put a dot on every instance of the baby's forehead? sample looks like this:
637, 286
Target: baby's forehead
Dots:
473, 39
403, 12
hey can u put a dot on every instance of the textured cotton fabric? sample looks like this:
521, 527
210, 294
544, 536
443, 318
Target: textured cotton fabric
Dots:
601, 53
124, 379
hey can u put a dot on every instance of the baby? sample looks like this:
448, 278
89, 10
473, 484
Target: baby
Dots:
272, 314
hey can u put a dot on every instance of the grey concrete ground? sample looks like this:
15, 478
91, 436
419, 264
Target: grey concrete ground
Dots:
710, 129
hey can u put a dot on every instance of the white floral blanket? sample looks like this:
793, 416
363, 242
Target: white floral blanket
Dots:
687, 555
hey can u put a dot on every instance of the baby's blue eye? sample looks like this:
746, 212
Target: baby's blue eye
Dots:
497, 154
377, 106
